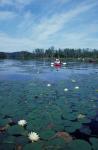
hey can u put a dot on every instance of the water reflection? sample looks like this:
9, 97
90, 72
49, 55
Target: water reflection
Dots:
43, 70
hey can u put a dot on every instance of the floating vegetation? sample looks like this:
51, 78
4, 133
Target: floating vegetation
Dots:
73, 127
4, 128
22, 123
47, 134
85, 130
81, 116
73, 80
16, 131
66, 136
35, 146
79, 145
33, 136
65, 89
77, 87
52, 119
48, 85
94, 143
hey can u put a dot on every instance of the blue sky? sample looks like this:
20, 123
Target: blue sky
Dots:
29, 24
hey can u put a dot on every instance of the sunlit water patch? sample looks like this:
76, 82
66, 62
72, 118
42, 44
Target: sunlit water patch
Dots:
36, 112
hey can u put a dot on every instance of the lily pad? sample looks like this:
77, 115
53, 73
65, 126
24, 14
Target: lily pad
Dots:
36, 124
17, 130
7, 146
73, 127
47, 134
94, 142
9, 140
58, 126
3, 122
22, 140
79, 145
84, 120
85, 130
35, 146
55, 144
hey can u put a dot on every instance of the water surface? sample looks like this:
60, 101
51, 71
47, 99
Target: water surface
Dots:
48, 110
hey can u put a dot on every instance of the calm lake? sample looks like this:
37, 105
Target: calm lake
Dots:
59, 104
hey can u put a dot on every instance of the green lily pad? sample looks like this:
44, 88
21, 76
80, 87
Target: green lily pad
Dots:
7, 146
85, 130
58, 126
17, 130
73, 127
33, 146
84, 120
22, 140
94, 142
91, 113
9, 140
36, 124
55, 144
3, 122
70, 116
79, 145
47, 134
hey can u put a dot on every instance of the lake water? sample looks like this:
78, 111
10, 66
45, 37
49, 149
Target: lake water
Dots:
63, 119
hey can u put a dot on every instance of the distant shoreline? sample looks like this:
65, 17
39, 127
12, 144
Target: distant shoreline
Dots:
84, 55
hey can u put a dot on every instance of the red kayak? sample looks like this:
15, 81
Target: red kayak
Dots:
57, 64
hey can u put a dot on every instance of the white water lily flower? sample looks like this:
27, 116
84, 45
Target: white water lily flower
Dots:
81, 116
65, 89
48, 85
33, 136
22, 122
77, 87
52, 65
73, 80
64, 63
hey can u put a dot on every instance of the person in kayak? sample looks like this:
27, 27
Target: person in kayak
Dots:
57, 61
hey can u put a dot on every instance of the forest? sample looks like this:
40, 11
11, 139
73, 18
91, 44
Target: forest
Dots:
52, 53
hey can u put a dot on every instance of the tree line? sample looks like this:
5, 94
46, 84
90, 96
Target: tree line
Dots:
52, 53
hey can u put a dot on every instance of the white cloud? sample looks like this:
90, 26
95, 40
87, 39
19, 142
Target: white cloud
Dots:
47, 31
52, 25
17, 4
25, 2
25, 23
14, 44
5, 15
6, 2
79, 39
14, 2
